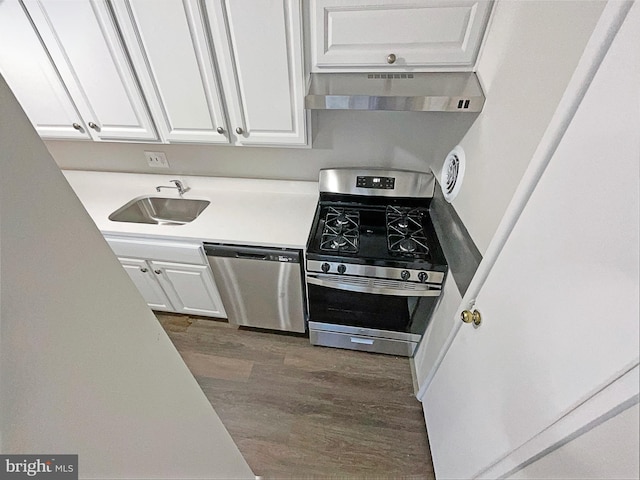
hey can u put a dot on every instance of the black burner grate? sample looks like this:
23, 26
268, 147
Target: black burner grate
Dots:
341, 230
405, 231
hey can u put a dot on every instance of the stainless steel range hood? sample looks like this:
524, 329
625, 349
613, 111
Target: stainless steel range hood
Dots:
411, 92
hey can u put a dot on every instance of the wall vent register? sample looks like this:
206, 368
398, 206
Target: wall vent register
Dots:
453, 173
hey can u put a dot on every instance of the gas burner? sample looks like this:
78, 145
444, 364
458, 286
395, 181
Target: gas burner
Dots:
407, 245
335, 242
341, 220
405, 233
340, 233
403, 223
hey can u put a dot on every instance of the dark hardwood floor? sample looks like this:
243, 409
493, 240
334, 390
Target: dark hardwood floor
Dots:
298, 411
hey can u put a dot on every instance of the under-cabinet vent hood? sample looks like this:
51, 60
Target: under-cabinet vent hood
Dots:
410, 92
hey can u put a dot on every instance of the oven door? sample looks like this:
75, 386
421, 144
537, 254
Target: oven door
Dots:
344, 313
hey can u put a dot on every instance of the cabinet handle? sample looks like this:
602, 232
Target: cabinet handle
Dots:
391, 58
77, 126
220, 130
144, 270
157, 272
239, 131
93, 125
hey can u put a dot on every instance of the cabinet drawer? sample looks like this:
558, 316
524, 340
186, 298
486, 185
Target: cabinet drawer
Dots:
396, 34
161, 250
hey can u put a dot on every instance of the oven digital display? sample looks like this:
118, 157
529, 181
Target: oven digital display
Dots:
384, 183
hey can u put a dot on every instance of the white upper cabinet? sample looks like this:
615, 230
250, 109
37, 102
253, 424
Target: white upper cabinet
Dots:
259, 50
83, 42
167, 41
27, 68
396, 35
200, 71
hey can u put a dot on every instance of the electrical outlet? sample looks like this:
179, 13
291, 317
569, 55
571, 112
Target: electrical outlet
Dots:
157, 159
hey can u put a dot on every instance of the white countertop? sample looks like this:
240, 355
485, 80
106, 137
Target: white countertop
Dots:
271, 213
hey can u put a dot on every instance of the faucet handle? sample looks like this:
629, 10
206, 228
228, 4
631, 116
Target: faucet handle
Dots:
179, 185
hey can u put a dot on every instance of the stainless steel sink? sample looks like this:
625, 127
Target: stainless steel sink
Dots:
160, 211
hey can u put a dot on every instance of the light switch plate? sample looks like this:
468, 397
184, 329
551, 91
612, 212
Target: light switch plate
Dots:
157, 159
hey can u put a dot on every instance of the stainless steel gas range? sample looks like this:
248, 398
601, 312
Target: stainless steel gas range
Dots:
374, 266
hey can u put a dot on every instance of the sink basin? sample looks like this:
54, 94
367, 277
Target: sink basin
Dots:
160, 211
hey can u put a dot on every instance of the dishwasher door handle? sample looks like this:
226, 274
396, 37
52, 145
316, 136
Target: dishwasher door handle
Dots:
267, 254
252, 256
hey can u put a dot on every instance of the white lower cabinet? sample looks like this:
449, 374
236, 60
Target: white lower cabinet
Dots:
175, 287
144, 279
190, 288
171, 276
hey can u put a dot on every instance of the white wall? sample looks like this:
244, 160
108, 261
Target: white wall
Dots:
85, 368
530, 53
408, 140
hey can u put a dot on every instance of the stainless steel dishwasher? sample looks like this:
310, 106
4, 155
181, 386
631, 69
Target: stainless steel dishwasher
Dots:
259, 287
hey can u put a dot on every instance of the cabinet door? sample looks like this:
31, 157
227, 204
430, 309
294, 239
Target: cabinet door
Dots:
83, 42
35, 82
396, 34
145, 281
259, 51
168, 44
191, 288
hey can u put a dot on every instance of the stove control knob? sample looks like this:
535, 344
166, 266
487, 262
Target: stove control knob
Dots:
325, 267
405, 274
423, 277
341, 269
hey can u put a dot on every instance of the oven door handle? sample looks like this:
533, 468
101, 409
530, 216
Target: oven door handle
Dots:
373, 285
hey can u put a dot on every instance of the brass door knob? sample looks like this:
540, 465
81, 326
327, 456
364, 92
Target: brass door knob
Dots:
467, 317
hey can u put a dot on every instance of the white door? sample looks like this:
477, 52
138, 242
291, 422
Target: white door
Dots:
396, 35
145, 281
84, 44
260, 57
191, 288
28, 70
168, 43
560, 305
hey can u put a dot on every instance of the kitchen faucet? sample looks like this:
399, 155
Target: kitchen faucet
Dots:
181, 188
